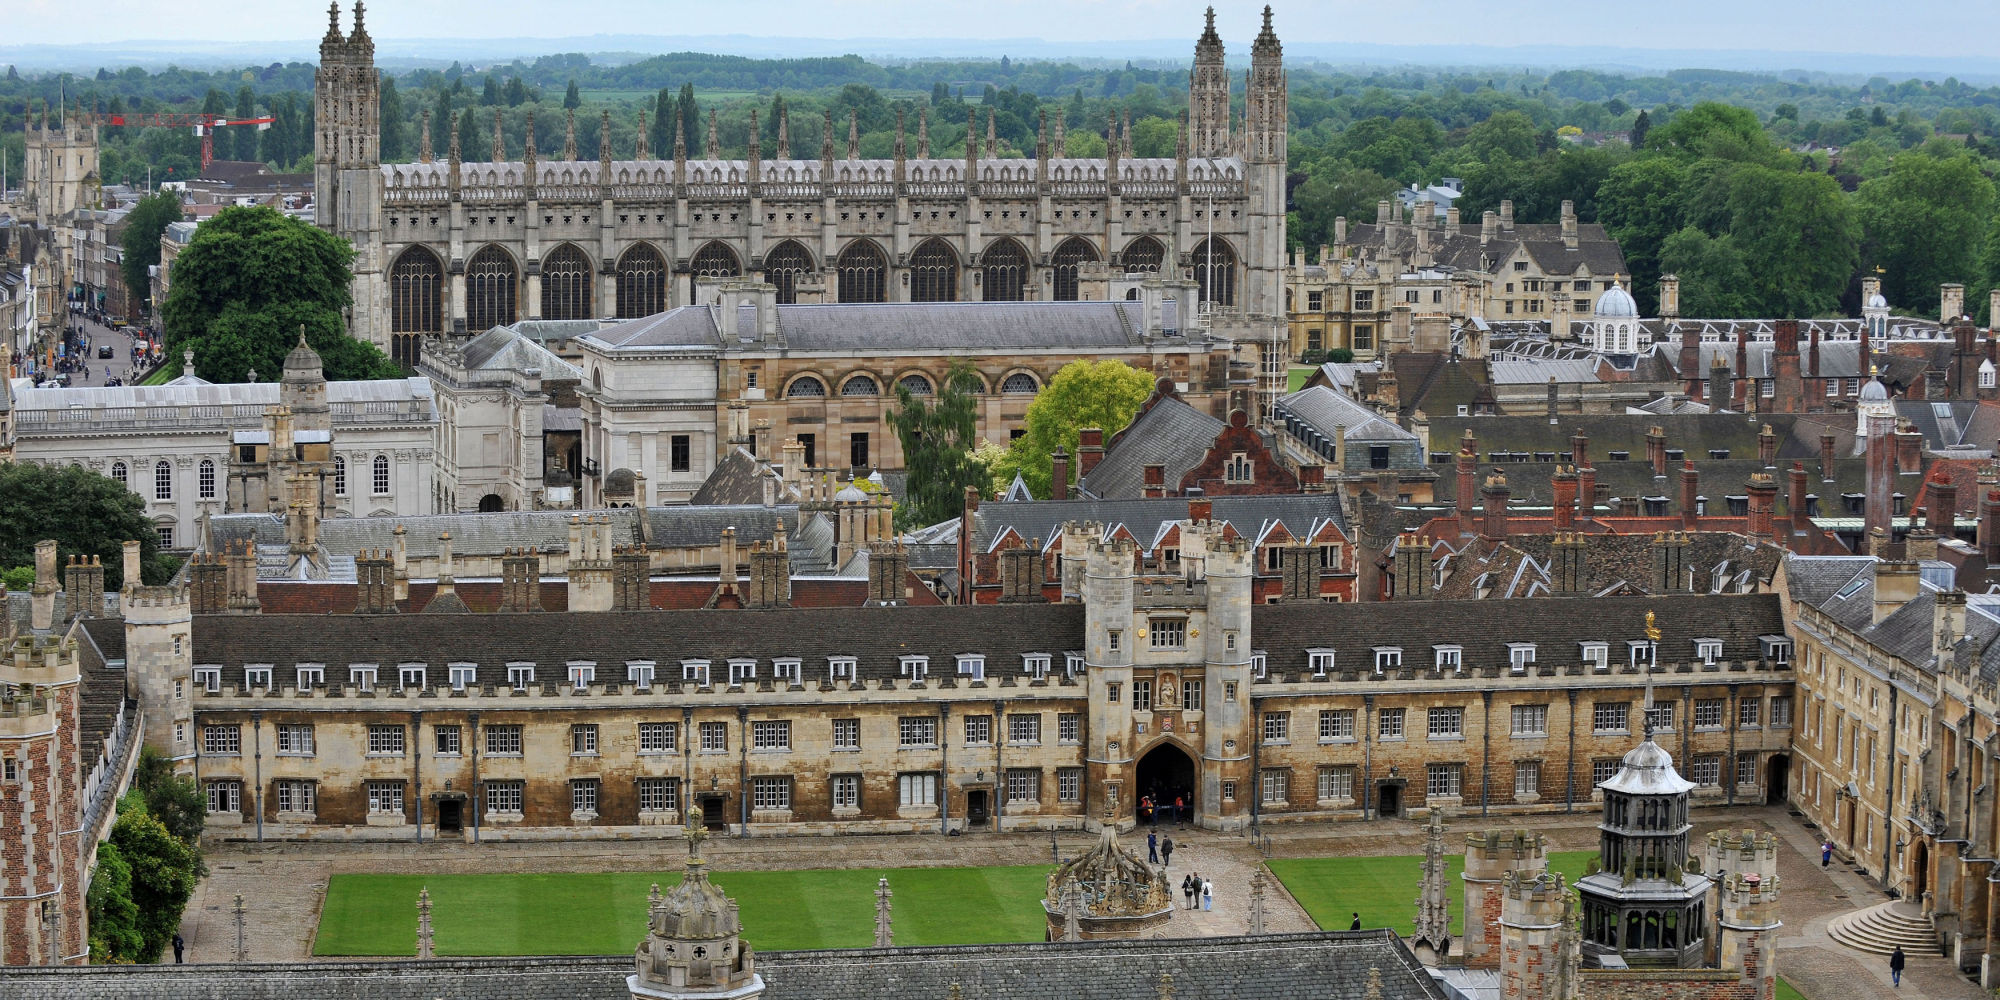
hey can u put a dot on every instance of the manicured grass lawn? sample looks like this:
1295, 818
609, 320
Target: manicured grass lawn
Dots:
1787, 991
605, 913
1384, 889
1298, 375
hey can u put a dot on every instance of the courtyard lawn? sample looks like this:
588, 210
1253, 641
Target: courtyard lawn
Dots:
605, 913
1385, 889
1297, 376
1787, 991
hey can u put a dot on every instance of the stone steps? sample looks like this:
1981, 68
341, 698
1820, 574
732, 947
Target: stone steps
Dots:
1879, 930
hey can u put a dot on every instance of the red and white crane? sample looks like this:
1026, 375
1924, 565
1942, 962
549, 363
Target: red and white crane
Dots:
204, 125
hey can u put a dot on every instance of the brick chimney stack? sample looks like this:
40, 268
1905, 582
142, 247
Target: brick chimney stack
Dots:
1656, 451
1989, 527
1468, 482
1564, 487
1826, 470
1496, 495
1690, 495
1089, 450
1763, 502
1943, 510
1796, 503
1767, 447
1059, 475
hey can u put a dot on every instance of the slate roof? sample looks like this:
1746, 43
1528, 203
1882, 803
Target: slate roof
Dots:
739, 479
1543, 242
505, 349
1324, 409
904, 327
103, 685
1318, 966
201, 393
318, 597
1723, 562
1168, 432
1145, 518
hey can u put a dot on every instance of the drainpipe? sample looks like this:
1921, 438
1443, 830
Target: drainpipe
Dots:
257, 759
1486, 751
478, 791
1889, 815
944, 766
999, 767
1367, 754
415, 746
1256, 765
1569, 779
743, 767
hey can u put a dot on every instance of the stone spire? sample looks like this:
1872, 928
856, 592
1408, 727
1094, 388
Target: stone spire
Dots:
826, 143
641, 148
1257, 901
528, 142
853, 134
693, 944
1125, 132
499, 139
424, 946
992, 143
569, 134
1208, 94
1072, 912
923, 133
333, 36
424, 138
756, 149
454, 155
1059, 143
1041, 133
604, 142
531, 170
360, 35
785, 134
680, 143
885, 931
713, 150
1432, 941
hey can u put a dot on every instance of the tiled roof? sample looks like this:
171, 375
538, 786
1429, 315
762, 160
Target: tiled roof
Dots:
1168, 432
1324, 409
1249, 515
906, 326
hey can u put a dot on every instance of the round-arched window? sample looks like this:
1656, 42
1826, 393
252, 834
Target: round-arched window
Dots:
119, 473
805, 385
1021, 382
917, 385
860, 385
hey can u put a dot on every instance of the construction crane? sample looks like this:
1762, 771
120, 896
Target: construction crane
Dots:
204, 125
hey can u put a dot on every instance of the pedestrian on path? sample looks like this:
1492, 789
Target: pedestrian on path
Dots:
1896, 962
1180, 809
1207, 895
1356, 925
1166, 852
1187, 890
1826, 854
179, 948
1153, 848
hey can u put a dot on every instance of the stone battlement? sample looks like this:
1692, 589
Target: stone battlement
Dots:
1534, 888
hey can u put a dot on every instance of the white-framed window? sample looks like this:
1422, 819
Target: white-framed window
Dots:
1597, 655
1260, 665
1388, 658
1746, 769
1024, 728
449, 740
659, 794
410, 676
1113, 639
385, 797
913, 667
1069, 785
1320, 661
1035, 665
295, 796
1520, 656
163, 481
694, 672
225, 796
1167, 633
840, 668
1661, 716
256, 676
659, 737
1705, 771
1529, 720
1449, 657
1072, 664
770, 793
582, 673
583, 740
1776, 648
847, 791
978, 730
771, 734
205, 479
165, 533
503, 741
1527, 778
1748, 711
296, 739
1781, 711
1276, 784
1069, 727
1336, 725
1708, 650
1708, 713
1444, 779
463, 675
1389, 724
715, 737
362, 676
640, 674
916, 731
1024, 784
742, 672
1610, 717
847, 734
1191, 694
1639, 653
119, 473
505, 796
381, 477
520, 675
916, 789
583, 795
972, 665
1603, 770
786, 670
227, 740
208, 679
1446, 723
385, 741
1336, 783
311, 675
339, 476
1277, 727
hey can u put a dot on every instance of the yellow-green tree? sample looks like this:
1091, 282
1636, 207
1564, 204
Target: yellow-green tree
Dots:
1105, 394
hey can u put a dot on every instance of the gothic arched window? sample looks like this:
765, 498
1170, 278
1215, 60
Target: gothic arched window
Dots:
783, 266
1071, 255
1004, 272
416, 301
566, 284
715, 260
934, 272
491, 284
860, 385
1144, 255
642, 282
861, 268
1215, 271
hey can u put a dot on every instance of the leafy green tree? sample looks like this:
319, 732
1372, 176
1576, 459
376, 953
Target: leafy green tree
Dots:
517, 92
689, 117
245, 286
938, 438
1711, 129
441, 124
165, 871
663, 123
216, 103
1331, 193
1640, 205
172, 799
144, 225
1101, 394
572, 99
246, 135
115, 935
1714, 280
394, 128
1925, 222
1798, 237
86, 513
19, 578
489, 95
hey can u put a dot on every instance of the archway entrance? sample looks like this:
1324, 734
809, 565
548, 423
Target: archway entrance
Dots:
1920, 871
1775, 779
491, 504
1166, 772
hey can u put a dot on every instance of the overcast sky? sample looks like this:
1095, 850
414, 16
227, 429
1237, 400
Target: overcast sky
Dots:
1909, 27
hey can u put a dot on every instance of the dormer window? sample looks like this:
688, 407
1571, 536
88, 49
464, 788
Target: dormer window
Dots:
1388, 658
1259, 665
1035, 665
840, 668
1449, 657
208, 679
520, 675
1072, 663
462, 675
1708, 650
640, 674
410, 676
257, 675
972, 665
1520, 656
742, 672
1321, 661
582, 673
1639, 653
1776, 648
311, 675
915, 667
1596, 655
695, 672
786, 670
361, 675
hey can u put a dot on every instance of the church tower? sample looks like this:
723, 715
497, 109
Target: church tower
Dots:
1264, 121
347, 163
1263, 150
1208, 96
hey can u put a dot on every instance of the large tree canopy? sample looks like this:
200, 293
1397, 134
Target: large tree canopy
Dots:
144, 225
1925, 222
86, 513
247, 283
1102, 394
938, 435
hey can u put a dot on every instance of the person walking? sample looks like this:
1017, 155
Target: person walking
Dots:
1356, 925
1826, 854
1207, 895
1153, 848
1896, 962
1166, 852
1187, 890
180, 947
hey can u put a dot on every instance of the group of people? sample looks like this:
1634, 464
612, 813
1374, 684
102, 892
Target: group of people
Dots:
1150, 809
1198, 891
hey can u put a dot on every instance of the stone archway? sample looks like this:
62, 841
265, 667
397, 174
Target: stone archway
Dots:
1165, 772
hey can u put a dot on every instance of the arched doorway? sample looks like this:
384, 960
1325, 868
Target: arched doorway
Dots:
491, 504
1920, 870
1775, 775
1166, 772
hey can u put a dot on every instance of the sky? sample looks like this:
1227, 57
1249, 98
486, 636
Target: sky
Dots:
1906, 28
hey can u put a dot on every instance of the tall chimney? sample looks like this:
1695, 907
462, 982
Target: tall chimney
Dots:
131, 566
1763, 499
1826, 470
1468, 482
1564, 487
1089, 450
1942, 510
1496, 496
1058, 473
1796, 503
1690, 495
1656, 450
42, 613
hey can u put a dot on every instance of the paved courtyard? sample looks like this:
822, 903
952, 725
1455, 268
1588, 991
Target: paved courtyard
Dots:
283, 884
